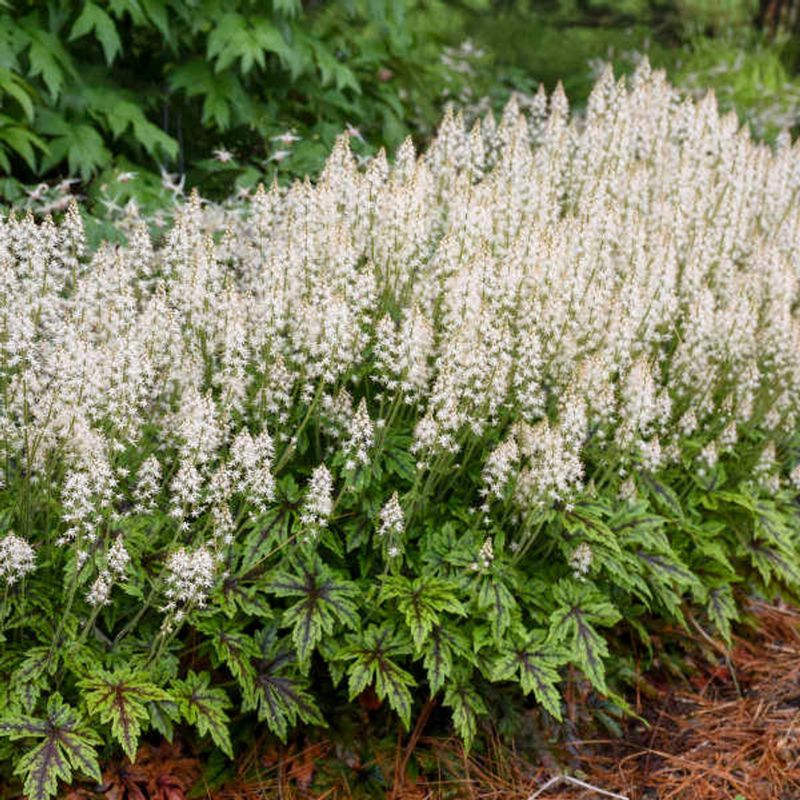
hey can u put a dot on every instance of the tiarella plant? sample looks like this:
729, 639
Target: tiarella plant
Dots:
482, 416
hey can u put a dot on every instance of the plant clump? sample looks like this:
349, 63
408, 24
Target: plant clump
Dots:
453, 425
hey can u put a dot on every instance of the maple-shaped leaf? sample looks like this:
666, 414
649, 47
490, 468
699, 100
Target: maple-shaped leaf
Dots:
204, 706
261, 537
333, 70
584, 520
372, 652
663, 574
668, 577
721, 610
779, 561
281, 696
710, 547
497, 602
122, 113
582, 607
66, 745
443, 643
533, 662
663, 496
94, 18
121, 697
235, 37
236, 596
324, 600
466, 706
237, 650
47, 56
80, 144
437, 659
421, 601
163, 713
29, 679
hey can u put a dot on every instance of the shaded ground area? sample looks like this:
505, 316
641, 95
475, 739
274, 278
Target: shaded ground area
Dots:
735, 735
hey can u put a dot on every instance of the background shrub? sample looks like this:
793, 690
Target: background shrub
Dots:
91, 86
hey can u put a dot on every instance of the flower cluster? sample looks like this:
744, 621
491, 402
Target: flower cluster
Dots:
190, 577
581, 560
392, 525
318, 504
17, 558
485, 557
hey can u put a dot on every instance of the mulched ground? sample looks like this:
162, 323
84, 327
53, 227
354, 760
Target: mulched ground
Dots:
732, 733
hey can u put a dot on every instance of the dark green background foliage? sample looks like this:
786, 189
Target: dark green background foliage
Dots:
87, 86
745, 50
95, 89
